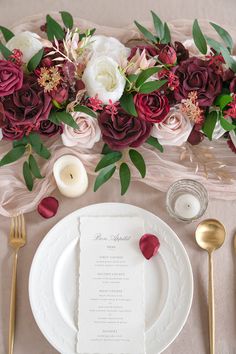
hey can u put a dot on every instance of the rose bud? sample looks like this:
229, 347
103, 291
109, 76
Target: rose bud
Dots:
195, 137
60, 95
149, 245
168, 55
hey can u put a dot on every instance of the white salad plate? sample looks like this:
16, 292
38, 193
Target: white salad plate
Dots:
53, 282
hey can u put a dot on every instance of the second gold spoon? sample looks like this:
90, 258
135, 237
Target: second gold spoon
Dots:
210, 235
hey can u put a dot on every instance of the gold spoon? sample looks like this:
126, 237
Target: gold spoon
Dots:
210, 235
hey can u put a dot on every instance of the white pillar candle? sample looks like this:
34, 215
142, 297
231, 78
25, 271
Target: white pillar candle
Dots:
187, 206
71, 176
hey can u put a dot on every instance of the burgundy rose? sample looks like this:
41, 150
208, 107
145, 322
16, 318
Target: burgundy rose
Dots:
11, 78
60, 94
151, 51
195, 137
10, 132
197, 75
122, 130
152, 107
28, 106
49, 129
3, 121
167, 55
181, 51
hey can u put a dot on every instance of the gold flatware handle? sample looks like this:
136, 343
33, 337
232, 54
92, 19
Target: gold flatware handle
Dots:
12, 306
211, 304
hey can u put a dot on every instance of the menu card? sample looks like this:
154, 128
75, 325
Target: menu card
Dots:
111, 286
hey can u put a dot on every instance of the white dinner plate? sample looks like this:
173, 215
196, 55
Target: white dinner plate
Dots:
53, 282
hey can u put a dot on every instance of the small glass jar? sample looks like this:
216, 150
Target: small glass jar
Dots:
186, 200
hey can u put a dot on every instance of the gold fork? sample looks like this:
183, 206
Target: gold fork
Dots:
17, 240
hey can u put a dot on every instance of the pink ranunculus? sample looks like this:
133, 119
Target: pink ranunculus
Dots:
152, 107
168, 55
11, 78
197, 75
122, 130
86, 135
28, 106
174, 129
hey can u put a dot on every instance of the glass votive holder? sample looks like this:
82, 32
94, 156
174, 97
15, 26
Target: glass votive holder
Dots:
186, 200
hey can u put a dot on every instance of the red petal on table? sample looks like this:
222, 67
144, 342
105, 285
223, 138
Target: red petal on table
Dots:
48, 207
149, 245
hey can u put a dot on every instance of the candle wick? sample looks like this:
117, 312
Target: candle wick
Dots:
71, 176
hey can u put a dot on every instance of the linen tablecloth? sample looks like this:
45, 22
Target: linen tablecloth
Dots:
194, 336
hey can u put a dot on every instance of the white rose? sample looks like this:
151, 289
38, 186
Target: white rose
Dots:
27, 42
86, 136
174, 129
193, 50
109, 46
103, 78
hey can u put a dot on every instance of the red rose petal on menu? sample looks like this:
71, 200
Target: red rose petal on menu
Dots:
48, 207
149, 245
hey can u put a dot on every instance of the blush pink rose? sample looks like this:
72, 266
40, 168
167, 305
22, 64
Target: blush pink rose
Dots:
86, 136
174, 129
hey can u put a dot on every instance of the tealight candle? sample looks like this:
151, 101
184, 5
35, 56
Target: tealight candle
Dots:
70, 176
187, 206
186, 200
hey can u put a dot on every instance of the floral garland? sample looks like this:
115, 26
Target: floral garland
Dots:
87, 87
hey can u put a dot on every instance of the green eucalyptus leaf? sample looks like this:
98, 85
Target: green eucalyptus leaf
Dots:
13, 155
147, 34
127, 103
154, 142
167, 36
106, 150
85, 109
225, 124
146, 74
223, 100
199, 38
38, 146
28, 176
224, 35
7, 34
35, 140
59, 117
34, 168
159, 27
5, 51
151, 86
21, 142
104, 175
138, 161
125, 177
210, 123
108, 159
219, 48
67, 19
54, 29
35, 60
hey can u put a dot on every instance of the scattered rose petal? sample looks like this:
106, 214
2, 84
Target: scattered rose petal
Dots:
48, 207
149, 245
